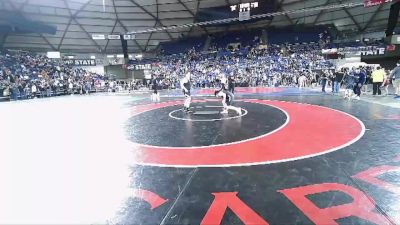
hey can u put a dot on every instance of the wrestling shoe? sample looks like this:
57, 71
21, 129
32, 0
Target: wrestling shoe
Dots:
187, 110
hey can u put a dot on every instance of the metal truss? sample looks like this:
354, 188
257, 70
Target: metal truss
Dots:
122, 25
194, 15
373, 17
230, 20
154, 17
75, 18
18, 10
151, 34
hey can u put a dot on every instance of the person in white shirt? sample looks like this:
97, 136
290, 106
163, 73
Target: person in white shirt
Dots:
70, 88
111, 86
227, 99
34, 90
302, 81
185, 85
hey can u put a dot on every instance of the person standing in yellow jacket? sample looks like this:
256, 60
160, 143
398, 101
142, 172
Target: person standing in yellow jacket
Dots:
378, 76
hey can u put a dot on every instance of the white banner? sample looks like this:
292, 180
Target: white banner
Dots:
129, 36
98, 37
113, 37
53, 55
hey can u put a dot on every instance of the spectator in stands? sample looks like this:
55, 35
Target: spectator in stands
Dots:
21, 89
48, 90
395, 75
378, 76
87, 87
27, 91
70, 88
6, 91
34, 90
302, 80
14, 91
34, 74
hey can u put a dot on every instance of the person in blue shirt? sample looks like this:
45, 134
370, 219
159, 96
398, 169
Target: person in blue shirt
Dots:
360, 78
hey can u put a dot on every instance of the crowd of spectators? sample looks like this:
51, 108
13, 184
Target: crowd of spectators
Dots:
276, 65
357, 79
26, 75
300, 65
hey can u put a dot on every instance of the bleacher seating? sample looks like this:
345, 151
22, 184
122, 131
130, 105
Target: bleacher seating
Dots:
295, 34
245, 38
181, 46
24, 75
221, 41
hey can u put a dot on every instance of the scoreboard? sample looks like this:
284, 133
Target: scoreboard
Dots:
243, 11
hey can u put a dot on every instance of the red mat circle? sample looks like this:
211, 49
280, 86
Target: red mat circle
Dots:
311, 131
